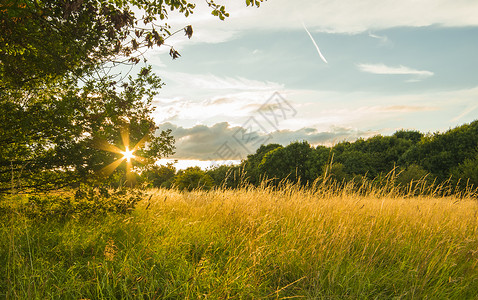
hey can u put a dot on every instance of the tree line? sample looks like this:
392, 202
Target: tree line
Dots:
450, 157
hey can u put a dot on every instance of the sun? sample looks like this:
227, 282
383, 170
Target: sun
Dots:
128, 154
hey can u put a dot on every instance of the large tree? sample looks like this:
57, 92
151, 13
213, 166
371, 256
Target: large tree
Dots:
59, 109
60, 136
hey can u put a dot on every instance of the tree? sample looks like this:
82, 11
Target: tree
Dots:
467, 172
59, 138
336, 172
411, 135
289, 162
413, 173
193, 178
226, 176
160, 176
440, 153
251, 164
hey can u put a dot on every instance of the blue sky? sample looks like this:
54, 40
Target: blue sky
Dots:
390, 65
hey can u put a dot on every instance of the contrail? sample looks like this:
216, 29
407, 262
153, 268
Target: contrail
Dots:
464, 113
315, 44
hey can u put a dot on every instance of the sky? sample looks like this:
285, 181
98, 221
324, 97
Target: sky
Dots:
320, 71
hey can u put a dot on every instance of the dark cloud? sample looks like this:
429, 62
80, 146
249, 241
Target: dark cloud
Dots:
222, 141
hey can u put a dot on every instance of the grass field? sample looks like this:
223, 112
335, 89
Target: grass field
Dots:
253, 243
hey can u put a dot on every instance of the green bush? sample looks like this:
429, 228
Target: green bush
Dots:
467, 172
86, 202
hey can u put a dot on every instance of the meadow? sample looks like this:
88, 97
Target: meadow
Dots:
250, 243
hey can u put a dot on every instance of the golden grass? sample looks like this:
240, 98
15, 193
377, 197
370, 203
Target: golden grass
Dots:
330, 241
252, 243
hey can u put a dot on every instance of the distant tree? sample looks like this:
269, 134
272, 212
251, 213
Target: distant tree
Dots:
251, 165
357, 162
369, 157
316, 162
336, 172
411, 135
193, 178
226, 176
289, 162
467, 172
413, 173
159, 176
441, 152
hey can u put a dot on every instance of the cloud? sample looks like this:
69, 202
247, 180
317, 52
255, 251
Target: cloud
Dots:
218, 142
207, 98
213, 82
382, 69
234, 107
333, 16
382, 38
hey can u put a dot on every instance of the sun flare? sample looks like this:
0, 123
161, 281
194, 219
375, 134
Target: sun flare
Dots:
128, 154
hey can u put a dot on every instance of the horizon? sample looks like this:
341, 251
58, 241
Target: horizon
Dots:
208, 164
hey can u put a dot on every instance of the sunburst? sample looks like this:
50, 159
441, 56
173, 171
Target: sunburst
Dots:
127, 155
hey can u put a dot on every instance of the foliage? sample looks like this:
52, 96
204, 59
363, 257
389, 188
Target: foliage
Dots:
159, 176
424, 160
251, 164
412, 173
384, 161
440, 153
227, 176
336, 172
55, 139
289, 163
193, 178
87, 202
467, 171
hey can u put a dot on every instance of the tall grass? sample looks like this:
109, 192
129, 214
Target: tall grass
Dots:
266, 242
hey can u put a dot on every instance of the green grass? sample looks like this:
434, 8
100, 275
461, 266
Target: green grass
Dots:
247, 244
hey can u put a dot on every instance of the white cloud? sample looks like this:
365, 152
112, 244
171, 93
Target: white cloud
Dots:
207, 99
382, 38
321, 109
322, 118
213, 82
336, 16
388, 70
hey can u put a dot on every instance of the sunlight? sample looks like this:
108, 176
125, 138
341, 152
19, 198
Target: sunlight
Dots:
128, 154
